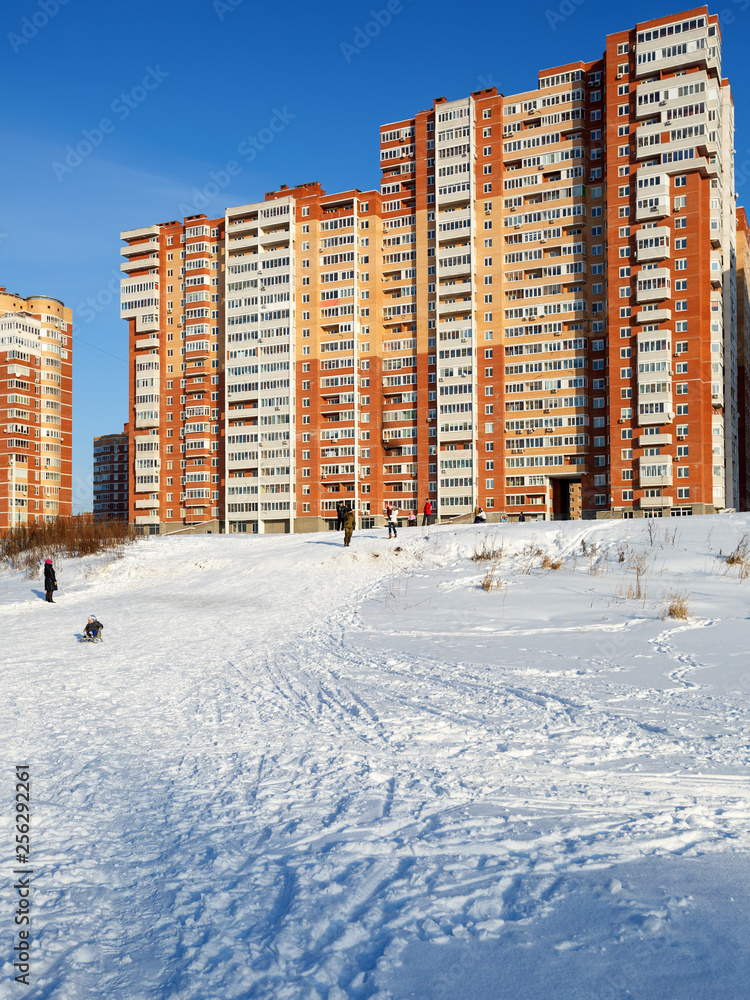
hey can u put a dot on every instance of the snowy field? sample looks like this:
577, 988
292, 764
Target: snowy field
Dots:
298, 771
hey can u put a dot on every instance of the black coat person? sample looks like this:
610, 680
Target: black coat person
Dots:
340, 514
50, 580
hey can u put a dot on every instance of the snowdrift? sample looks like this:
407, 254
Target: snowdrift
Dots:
465, 763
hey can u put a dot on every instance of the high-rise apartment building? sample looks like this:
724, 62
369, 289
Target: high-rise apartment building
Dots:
36, 369
171, 299
111, 474
537, 311
743, 355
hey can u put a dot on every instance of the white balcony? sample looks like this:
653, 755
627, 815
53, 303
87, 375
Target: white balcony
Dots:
705, 55
460, 327
455, 269
147, 488
648, 140
245, 464
460, 306
652, 203
241, 244
455, 197
654, 440
662, 405
147, 422
649, 109
654, 285
145, 321
148, 342
655, 471
248, 226
456, 288
143, 233
275, 236
663, 315
149, 246
457, 215
147, 519
148, 263
652, 503
653, 244
146, 503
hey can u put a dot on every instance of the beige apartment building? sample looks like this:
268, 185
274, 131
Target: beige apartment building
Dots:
36, 376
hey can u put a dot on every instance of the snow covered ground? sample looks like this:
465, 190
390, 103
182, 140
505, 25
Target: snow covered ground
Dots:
294, 770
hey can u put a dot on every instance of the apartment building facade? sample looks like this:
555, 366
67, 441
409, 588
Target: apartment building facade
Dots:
170, 299
36, 375
537, 311
111, 476
743, 354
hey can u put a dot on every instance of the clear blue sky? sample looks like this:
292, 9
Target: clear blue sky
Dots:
182, 83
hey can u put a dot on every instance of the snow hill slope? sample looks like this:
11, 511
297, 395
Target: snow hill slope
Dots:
298, 771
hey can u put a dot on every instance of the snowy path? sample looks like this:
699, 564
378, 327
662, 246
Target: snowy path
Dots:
295, 771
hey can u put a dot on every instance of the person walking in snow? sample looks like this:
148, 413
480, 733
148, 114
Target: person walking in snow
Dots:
350, 523
521, 518
391, 514
50, 581
412, 519
427, 515
479, 516
340, 515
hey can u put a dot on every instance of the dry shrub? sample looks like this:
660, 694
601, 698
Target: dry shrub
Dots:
741, 556
489, 551
25, 546
549, 563
677, 606
639, 564
491, 581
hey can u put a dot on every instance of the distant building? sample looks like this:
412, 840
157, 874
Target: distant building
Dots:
111, 476
36, 374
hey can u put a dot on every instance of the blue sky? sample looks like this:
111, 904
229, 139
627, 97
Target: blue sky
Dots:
166, 92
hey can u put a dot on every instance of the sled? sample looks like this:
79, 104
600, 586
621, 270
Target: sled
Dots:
96, 637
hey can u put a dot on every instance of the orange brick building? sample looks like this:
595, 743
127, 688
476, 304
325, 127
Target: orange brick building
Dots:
743, 354
537, 311
170, 298
36, 376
